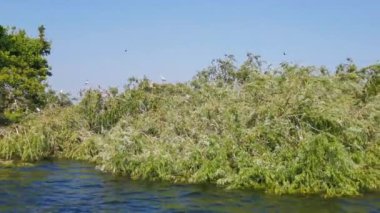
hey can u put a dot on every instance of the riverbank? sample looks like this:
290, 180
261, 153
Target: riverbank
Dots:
294, 130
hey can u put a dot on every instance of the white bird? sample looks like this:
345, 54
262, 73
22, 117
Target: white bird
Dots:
61, 91
151, 84
163, 79
38, 109
86, 82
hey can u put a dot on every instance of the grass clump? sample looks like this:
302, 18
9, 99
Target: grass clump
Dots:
286, 130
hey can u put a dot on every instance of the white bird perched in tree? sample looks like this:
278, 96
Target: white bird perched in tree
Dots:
163, 79
38, 109
61, 91
151, 84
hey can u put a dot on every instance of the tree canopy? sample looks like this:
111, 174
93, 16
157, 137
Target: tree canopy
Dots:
23, 72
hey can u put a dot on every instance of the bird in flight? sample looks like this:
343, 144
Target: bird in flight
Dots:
163, 79
125, 50
284, 53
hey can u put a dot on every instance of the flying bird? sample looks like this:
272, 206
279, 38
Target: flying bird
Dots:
284, 53
163, 79
125, 50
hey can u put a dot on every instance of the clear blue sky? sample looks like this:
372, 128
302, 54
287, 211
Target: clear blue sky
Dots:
177, 38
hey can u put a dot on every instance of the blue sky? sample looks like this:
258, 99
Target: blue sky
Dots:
177, 38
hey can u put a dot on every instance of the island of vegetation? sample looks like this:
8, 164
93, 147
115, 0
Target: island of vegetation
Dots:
285, 130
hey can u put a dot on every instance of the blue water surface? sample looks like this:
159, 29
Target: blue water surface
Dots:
72, 186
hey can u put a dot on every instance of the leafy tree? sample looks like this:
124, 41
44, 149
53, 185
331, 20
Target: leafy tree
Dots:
222, 70
23, 72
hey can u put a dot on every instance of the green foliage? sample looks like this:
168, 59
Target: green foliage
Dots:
102, 109
23, 72
371, 76
57, 100
289, 129
50, 133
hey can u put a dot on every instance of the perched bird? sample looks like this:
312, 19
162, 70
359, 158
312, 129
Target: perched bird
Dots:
86, 82
38, 109
151, 84
61, 91
163, 79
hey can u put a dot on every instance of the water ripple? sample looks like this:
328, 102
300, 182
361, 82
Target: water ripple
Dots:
69, 186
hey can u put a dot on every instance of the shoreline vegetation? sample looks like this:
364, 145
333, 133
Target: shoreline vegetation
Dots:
290, 130
285, 130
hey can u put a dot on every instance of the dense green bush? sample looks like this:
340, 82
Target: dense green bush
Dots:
23, 73
289, 129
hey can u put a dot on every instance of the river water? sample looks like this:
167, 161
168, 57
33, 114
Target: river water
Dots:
72, 186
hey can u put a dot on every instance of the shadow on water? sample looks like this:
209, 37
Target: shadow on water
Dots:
76, 187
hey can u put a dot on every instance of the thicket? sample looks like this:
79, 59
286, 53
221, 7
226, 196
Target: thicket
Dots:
290, 129
24, 70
